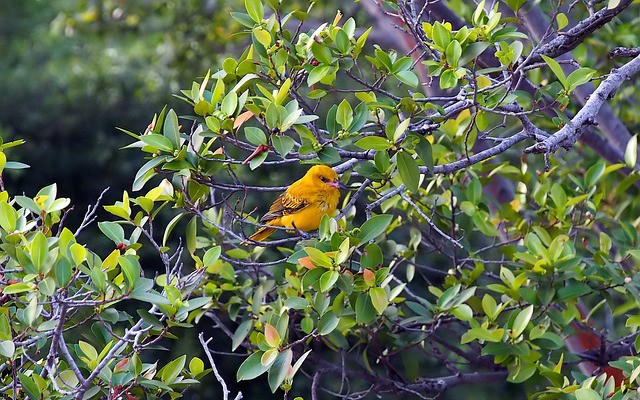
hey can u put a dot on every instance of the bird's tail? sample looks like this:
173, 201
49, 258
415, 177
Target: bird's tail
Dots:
260, 235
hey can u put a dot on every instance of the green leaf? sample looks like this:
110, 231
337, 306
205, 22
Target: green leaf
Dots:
365, 311
463, 312
425, 152
559, 196
211, 256
282, 143
403, 64
149, 318
474, 192
170, 372
29, 204
318, 257
229, 103
146, 172
473, 50
408, 78
88, 350
329, 155
241, 333
441, 35
579, 77
321, 53
316, 94
306, 325
255, 136
557, 70
562, 20
63, 271
39, 250
251, 367
342, 41
113, 231
344, 114
297, 366
269, 357
18, 288
631, 152
521, 321
297, 303
372, 256
158, 141
283, 92
167, 231
613, 4
328, 322
196, 366
400, 129
328, 279
7, 348
378, 299
255, 9
5, 328
279, 369
587, 394
317, 74
190, 233
448, 296
29, 386
171, 129
130, 268
448, 79
516, 4
594, 174
8, 217
32, 311
374, 143
15, 165
453, 53
408, 170
374, 227
573, 291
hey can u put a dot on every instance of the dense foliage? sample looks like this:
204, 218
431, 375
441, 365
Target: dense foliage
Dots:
478, 237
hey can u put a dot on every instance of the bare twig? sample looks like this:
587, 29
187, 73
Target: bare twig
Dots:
219, 378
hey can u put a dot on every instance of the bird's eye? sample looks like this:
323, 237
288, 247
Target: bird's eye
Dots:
323, 179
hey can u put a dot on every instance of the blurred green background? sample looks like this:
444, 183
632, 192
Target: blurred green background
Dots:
74, 70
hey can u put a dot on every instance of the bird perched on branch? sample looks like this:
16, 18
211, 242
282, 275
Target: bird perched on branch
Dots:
304, 203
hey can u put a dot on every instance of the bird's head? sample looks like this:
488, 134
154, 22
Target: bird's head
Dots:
324, 178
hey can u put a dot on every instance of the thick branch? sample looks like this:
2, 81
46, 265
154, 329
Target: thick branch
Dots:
436, 386
504, 145
625, 52
573, 130
571, 39
616, 133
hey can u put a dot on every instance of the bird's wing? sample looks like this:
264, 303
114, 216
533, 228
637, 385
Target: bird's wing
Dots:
285, 204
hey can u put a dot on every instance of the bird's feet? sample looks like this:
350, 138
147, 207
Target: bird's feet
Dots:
304, 235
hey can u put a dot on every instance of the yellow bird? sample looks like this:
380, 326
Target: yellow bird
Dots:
304, 203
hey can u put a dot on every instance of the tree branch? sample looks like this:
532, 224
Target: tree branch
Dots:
573, 37
568, 135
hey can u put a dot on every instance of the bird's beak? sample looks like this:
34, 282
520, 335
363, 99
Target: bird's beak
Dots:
337, 184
